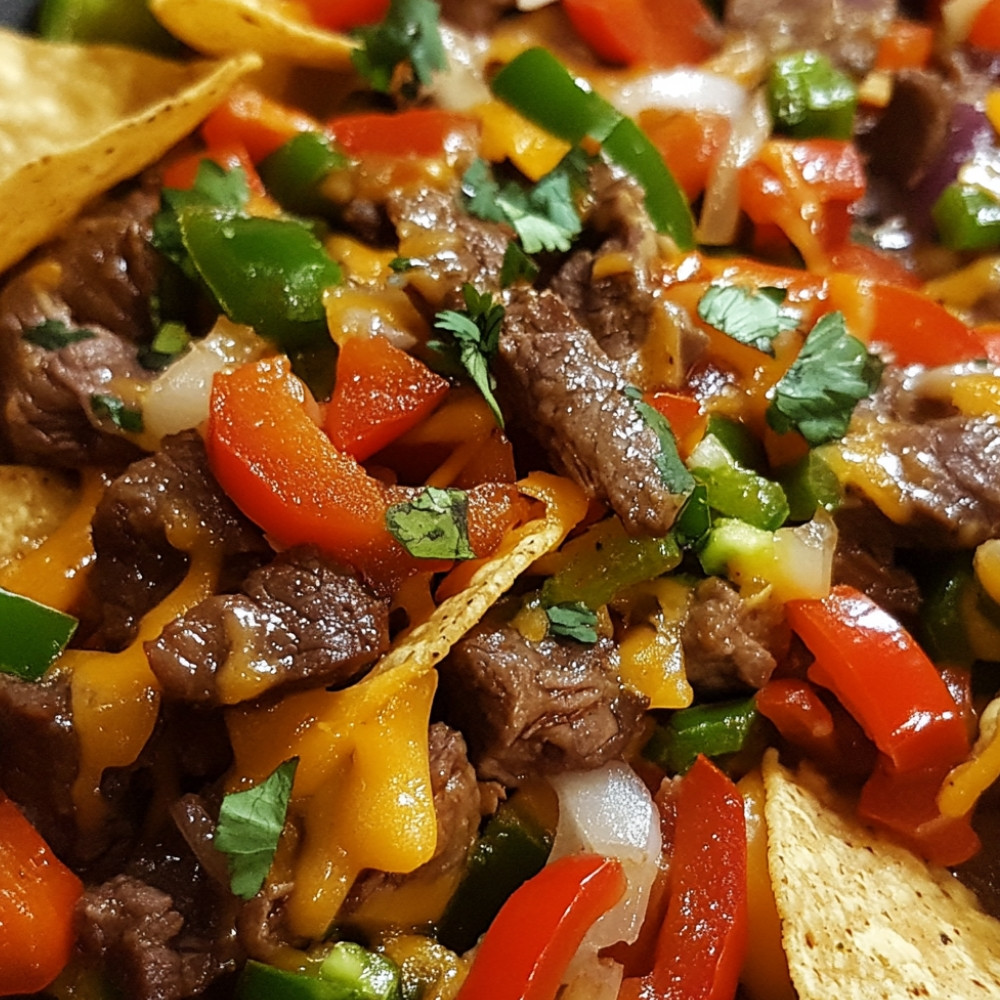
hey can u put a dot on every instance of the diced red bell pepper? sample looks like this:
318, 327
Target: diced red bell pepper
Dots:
528, 947
906, 45
984, 32
425, 132
181, 173
380, 393
341, 15
702, 942
882, 676
685, 416
38, 895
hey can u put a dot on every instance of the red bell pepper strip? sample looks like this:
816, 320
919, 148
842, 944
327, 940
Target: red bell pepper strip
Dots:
528, 947
703, 940
380, 393
882, 677
984, 32
340, 15
685, 416
425, 132
906, 45
38, 895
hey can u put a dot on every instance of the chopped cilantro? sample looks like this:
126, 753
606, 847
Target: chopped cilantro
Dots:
695, 519
751, 316
115, 410
408, 37
250, 823
573, 620
401, 264
434, 525
673, 472
475, 339
818, 393
53, 334
170, 342
517, 265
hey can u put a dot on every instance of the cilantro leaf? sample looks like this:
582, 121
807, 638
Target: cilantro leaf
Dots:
750, 316
53, 334
482, 192
818, 393
516, 265
475, 338
434, 525
170, 342
250, 823
409, 37
674, 473
114, 409
573, 620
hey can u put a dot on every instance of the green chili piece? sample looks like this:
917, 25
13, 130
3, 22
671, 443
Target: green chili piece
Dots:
267, 273
32, 635
513, 847
359, 974
294, 172
967, 218
959, 621
810, 98
714, 730
540, 87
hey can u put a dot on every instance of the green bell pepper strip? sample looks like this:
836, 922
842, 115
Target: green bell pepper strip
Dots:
810, 98
511, 849
738, 440
294, 172
715, 730
967, 218
122, 22
32, 635
267, 273
349, 972
959, 621
540, 87
810, 485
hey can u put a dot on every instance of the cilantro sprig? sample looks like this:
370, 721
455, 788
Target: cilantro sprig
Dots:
250, 823
573, 620
674, 473
54, 334
433, 525
474, 338
818, 393
407, 40
750, 316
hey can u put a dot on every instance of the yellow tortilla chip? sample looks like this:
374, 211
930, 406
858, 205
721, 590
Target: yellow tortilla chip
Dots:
34, 502
222, 27
76, 120
863, 917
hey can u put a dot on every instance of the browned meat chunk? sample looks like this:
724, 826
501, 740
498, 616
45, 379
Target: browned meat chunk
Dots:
534, 708
95, 281
555, 381
303, 617
147, 514
731, 645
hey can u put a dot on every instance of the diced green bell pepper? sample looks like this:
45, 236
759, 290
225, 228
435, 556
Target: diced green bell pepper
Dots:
267, 273
810, 485
512, 848
715, 730
738, 440
294, 172
540, 87
122, 22
967, 218
349, 972
810, 98
960, 623
32, 635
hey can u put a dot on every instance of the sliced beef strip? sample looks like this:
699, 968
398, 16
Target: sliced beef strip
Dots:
450, 247
731, 645
555, 381
169, 494
475, 15
302, 617
535, 708
97, 278
457, 805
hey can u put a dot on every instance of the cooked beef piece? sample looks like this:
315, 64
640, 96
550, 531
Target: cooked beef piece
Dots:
260, 923
555, 381
302, 617
731, 644
456, 803
452, 247
141, 938
148, 516
96, 279
534, 708
865, 558
475, 15
846, 31
40, 755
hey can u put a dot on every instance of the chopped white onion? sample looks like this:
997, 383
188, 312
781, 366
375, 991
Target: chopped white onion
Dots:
678, 90
178, 399
533, 4
609, 811
463, 84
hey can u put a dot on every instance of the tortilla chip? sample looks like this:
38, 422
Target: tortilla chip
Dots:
75, 120
34, 502
862, 916
222, 27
